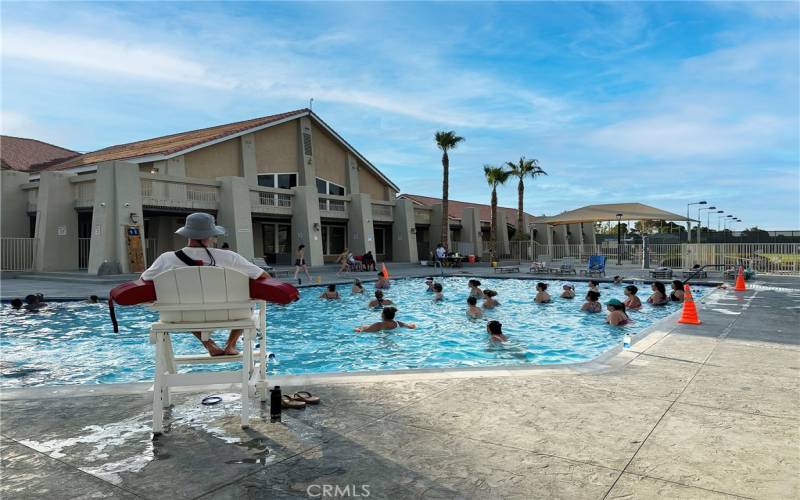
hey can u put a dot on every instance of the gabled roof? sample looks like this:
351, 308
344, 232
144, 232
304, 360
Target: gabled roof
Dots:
168, 146
609, 211
18, 153
456, 208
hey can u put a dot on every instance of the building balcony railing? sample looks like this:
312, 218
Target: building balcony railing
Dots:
179, 192
266, 200
382, 211
332, 206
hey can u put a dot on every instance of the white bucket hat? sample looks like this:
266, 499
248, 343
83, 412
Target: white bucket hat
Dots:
200, 226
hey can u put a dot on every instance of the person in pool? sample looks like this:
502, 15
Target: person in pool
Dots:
569, 291
34, 302
473, 311
632, 301
659, 297
594, 286
357, 287
382, 283
330, 294
542, 297
474, 289
16, 303
495, 330
438, 292
387, 322
379, 301
592, 303
489, 302
616, 313
618, 280
93, 299
676, 295
429, 284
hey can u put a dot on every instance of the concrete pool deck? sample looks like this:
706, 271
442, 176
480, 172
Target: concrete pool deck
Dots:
708, 411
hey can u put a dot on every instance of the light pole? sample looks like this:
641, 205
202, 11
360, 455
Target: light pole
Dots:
689, 223
700, 221
708, 220
619, 239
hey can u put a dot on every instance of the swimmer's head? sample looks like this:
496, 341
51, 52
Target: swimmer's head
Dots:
472, 301
541, 286
378, 294
331, 287
490, 293
388, 313
631, 289
16, 303
437, 287
593, 296
494, 327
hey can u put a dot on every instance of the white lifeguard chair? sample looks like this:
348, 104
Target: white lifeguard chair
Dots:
204, 299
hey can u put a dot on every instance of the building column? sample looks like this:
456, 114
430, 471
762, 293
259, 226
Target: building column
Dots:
436, 227
307, 172
404, 238
589, 238
249, 168
117, 203
471, 229
306, 225
56, 223
351, 167
165, 234
360, 231
503, 247
574, 236
559, 234
234, 215
15, 222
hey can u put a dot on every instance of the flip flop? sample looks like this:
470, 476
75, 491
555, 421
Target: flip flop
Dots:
288, 402
306, 397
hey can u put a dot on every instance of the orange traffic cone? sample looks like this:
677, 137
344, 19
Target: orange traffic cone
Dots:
740, 287
385, 271
689, 314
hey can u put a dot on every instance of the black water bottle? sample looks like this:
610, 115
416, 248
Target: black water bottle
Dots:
275, 405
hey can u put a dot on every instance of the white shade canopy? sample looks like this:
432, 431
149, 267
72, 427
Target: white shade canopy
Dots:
608, 212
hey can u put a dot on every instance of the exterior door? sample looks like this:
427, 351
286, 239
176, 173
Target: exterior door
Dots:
277, 243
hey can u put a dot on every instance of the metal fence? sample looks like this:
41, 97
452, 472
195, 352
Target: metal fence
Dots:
84, 244
768, 258
17, 254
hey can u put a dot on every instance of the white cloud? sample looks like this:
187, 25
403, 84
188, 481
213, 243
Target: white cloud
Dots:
107, 56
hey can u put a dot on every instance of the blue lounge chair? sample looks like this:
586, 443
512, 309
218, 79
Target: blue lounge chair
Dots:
597, 266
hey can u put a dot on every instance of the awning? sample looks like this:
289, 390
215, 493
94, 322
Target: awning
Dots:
608, 212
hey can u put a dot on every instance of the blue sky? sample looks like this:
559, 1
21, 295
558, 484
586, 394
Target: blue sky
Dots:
662, 103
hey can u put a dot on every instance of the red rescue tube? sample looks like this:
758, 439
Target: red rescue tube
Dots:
141, 292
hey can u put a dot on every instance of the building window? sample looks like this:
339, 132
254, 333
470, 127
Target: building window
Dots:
333, 239
328, 187
282, 181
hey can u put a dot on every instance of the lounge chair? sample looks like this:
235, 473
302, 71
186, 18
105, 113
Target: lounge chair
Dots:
508, 267
596, 266
567, 266
540, 267
204, 299
262, 263
661, 273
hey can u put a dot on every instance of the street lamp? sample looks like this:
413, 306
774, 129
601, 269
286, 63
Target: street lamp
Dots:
689, 223
699, 220
619, 239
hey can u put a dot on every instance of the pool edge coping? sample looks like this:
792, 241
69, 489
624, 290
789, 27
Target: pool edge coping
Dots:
611, 360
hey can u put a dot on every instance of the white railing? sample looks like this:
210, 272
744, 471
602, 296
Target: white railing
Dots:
17, 254
179, 192
768, 258
333, 206
84, 246
150, 250
270, 200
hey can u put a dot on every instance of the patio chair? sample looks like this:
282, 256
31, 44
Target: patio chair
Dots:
567, 266
596, 266
262, 263
204, 299
539, 267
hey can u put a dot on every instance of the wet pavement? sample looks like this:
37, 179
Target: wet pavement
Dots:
708, 411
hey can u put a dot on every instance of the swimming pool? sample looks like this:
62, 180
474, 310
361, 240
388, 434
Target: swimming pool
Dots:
73, 343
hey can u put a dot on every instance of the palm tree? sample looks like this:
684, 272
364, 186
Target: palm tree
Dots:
523, 168
446, 141
494, 176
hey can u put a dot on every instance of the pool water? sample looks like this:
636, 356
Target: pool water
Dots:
73, 343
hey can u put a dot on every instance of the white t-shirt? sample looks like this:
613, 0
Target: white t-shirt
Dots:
224, 258
440, 252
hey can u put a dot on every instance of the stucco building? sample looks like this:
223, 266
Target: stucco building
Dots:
274, 182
